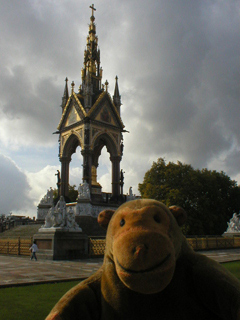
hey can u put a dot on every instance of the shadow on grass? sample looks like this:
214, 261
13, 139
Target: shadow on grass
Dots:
35, 302
31, 302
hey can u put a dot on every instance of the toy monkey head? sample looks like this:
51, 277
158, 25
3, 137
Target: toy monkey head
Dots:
143, 241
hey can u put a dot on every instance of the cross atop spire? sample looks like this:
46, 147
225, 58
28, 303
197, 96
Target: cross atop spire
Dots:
93, 9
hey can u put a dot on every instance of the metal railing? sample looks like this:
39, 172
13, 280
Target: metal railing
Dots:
97, 245
15, 246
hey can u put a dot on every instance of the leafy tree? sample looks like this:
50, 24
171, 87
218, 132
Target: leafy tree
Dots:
55, 195
210, 198
72, 194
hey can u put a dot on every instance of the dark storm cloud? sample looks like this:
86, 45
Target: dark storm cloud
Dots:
188, 60
30, 108
35, 60
14, 187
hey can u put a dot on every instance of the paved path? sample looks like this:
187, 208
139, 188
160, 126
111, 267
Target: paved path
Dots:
15, 271
226, 255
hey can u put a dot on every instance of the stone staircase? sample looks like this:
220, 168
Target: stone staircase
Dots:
23, 231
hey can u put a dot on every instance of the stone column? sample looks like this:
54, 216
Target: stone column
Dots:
87, 166
115, 177
64, 175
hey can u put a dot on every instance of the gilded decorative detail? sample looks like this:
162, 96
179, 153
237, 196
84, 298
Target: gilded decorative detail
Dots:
112, 135
67, 136
80, 132
62, 144
100, 98
73, 117
78, 104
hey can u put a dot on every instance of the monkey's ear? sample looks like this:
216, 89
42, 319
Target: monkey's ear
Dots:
104, 218
179, 214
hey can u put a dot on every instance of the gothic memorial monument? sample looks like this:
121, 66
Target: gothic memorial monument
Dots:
91, 119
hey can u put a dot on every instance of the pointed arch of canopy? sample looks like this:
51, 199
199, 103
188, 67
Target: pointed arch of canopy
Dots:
69, 147
102, 140
71, 144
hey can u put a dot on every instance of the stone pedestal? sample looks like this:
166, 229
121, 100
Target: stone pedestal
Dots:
44, 205
60, 244
96, 193
42, 211
87, 208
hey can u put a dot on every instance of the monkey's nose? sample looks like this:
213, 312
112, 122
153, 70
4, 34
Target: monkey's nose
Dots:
140, 250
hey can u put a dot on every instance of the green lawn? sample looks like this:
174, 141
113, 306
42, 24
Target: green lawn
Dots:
233, 267
35, 302
31, 302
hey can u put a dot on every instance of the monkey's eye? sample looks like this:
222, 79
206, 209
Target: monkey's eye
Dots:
157, 218
122, 222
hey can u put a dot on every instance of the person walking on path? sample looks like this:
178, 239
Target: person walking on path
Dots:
34, 249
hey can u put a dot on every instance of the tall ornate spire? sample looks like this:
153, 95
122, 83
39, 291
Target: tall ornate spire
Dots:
91, 72
65, 95
91, 120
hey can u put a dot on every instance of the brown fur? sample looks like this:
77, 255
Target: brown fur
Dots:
150, 272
